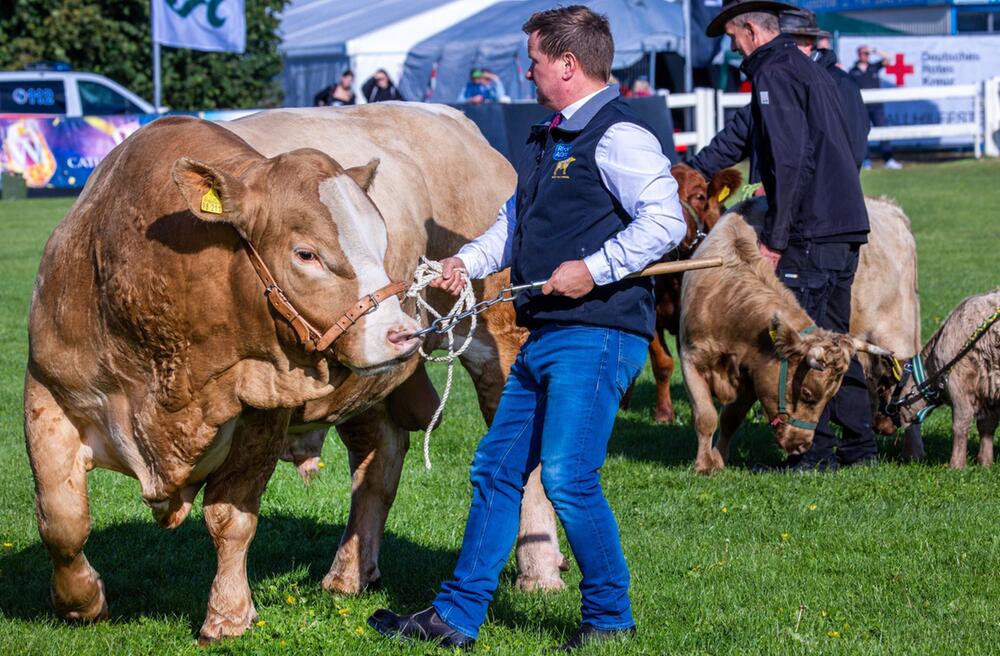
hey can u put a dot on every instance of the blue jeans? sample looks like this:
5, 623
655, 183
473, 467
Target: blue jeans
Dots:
558, 408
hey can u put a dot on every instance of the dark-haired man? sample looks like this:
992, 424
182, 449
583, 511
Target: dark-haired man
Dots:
595, 201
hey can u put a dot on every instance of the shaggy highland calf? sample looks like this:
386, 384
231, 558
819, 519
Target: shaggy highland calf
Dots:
743, 338
971, 387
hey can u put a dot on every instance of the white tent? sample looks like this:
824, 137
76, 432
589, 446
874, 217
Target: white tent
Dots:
322, 38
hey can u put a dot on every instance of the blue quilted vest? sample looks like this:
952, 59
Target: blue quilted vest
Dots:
564, 212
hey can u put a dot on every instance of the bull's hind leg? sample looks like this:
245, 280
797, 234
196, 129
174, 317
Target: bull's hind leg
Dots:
232, 502
59, 462
539, 560
376, 446
987, 426
961, 421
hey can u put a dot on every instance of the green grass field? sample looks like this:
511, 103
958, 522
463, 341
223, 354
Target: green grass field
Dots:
894, 559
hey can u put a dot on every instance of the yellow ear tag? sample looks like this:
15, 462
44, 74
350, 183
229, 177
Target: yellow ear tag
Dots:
723, 195
211, 202
773, 333
897, 368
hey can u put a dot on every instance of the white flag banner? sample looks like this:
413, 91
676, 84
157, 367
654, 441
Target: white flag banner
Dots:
214, 25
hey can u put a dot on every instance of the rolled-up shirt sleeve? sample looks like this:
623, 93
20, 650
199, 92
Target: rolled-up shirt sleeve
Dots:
635, 170
490, 252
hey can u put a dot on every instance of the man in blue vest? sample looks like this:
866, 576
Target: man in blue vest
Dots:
595, 201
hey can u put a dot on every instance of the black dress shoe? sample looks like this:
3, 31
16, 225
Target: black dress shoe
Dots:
588, 634
424, 625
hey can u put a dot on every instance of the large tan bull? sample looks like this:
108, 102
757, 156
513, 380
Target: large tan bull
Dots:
744, 338
154, 350
439, 185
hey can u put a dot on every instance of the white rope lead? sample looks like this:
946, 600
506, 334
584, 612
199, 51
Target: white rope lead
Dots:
428, 271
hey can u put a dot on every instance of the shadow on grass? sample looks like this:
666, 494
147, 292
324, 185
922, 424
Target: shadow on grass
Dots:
638, 438
152, 572
149, 571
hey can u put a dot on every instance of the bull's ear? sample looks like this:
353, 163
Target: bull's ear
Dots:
211, 194
724, 184
364, 175
787, 341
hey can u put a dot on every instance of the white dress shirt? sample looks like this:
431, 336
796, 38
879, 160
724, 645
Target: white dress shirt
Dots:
634, 169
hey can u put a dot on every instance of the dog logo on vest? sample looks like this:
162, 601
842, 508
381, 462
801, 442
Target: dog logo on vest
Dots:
561, 172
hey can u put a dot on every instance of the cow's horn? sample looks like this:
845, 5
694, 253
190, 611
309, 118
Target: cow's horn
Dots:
814, 363
868, 347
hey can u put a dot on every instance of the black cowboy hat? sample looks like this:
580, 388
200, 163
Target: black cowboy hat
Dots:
733, 8
800, 22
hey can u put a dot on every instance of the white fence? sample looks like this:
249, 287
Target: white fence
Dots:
709, 114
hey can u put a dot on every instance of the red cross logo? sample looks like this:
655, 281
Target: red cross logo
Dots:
900, 69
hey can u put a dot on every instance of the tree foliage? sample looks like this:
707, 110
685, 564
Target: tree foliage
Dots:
113, 38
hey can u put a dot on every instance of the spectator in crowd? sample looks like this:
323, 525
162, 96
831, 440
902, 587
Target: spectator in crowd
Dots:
337, 94
640, 87
865, 73
483, 86
379, 88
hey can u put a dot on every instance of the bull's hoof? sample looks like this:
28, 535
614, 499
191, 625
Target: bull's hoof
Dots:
218, 627
665, 416
708, 463
540, 583
93, 609
351, 585
308, 469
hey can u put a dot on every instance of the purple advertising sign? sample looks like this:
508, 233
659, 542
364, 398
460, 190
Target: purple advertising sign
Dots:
58, 152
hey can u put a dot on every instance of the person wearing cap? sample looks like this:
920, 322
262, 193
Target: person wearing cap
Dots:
865, 74
800, 24
478, 89
800, 146
595, 202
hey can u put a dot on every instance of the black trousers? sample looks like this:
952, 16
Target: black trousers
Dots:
820, 276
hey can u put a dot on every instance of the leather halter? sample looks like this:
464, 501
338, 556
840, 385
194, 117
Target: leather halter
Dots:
309, 336
685, 250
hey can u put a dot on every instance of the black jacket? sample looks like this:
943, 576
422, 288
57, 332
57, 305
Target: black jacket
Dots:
801, 147
850, 97
375, 93
732, 145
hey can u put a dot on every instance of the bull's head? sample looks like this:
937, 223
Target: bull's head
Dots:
322, 238
704, 198
816, 361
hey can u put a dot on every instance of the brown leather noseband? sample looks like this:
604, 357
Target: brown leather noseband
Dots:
311, 338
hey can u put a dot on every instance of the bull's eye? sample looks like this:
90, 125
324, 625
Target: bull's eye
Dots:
306, 256
807, 395
701, 197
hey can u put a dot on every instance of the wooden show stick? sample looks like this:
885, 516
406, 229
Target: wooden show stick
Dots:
678, 266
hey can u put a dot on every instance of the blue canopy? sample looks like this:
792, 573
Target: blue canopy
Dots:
437, 68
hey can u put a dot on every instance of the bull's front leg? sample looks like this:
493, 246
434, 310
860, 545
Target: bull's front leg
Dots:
962, 415
663, 370
376, 447
705, 419
913, 444
987, 426
232, 503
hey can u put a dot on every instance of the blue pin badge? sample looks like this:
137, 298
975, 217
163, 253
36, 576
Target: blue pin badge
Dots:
561, 152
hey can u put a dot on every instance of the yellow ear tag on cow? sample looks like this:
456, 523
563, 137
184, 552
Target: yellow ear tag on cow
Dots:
773, 333
723, 195
211, 202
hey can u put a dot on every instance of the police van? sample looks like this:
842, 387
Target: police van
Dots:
63, 92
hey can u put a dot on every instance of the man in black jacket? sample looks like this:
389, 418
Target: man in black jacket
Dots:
732, 144
800, 144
